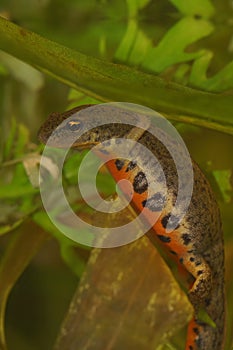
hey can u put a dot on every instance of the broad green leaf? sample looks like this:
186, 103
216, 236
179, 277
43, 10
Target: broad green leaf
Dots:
135, 5
106, 81
123, 51
136, 48
199, 69
202, 8
134, 45
221, 81
181, 73
171, 49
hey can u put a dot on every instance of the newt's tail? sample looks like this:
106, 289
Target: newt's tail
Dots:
203, 336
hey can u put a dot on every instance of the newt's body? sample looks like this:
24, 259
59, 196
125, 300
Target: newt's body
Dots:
197, 241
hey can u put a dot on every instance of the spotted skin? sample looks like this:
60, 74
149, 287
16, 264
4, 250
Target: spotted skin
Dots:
196, 243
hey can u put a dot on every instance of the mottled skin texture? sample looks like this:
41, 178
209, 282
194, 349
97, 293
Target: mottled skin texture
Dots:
197, 242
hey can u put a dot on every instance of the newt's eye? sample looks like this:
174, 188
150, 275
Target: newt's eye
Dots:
74, 125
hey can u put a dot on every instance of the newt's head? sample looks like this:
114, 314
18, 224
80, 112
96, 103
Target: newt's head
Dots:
51, 130
84, 126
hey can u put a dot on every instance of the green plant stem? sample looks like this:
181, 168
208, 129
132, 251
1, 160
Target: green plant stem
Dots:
112, 82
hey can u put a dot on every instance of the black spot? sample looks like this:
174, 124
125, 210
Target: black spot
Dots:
140, 183
197, 263
155, 202
173, 220
131, 165
160, 178
119, 164
165, 220
190, 347
104, 151
200, 272
106, 143
192, 259
173, 252
164, 239
196, 330
181, 260
186, 238
118, 141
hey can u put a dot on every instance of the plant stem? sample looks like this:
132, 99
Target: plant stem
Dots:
113, 82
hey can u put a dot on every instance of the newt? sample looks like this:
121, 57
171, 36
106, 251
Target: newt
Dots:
196, 242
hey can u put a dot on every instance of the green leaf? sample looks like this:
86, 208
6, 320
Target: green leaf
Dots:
76, 97
135, 5
203, 8
70, 257
221, 81
171, 49
17, 190
223, 178
134, 45
106, 81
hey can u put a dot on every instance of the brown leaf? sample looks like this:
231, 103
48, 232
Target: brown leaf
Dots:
127, 299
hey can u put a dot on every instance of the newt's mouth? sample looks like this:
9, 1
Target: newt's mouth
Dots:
85, 145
